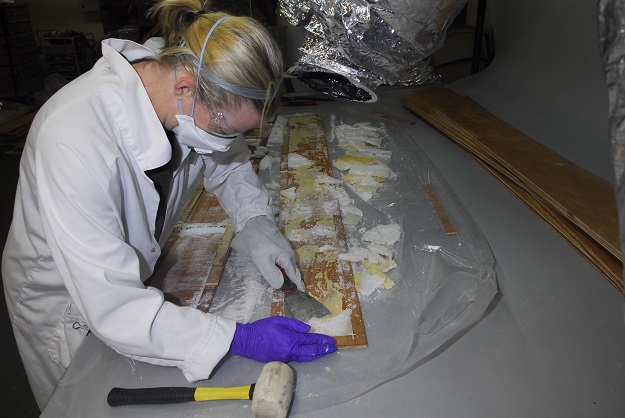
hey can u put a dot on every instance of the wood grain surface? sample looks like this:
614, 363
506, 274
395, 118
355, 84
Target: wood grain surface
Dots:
323, 273
578, 205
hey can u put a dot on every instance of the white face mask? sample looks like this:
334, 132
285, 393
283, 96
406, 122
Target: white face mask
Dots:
190, 135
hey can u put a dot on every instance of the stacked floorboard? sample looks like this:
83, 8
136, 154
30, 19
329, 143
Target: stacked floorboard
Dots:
578, 205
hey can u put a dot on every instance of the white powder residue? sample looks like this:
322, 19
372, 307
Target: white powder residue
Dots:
272, 186
297, 211
337, 325
362, 131
430, 248
317, 231
365, 195
201, 230
343, 197
296, 161
240, 298
381, 249
352, 210
378, 153
325, 179
276, 135
383, 234
368, 283
331, 207
361, 254
376, 170
354, 258
266, 163
290, 193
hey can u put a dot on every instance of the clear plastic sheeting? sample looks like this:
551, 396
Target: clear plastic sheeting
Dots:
612, 43
443, 285
353, 46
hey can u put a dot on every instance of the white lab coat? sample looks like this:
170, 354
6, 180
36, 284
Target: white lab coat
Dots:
82, 239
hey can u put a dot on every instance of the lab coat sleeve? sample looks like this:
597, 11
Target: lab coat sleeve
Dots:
231, 177
80, 196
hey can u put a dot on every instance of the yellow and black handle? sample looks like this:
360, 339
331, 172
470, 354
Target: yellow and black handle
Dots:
169, 395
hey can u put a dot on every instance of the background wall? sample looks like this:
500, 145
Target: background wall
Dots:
65, 14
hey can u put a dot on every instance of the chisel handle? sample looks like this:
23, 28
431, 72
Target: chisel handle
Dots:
288, 286
169, 395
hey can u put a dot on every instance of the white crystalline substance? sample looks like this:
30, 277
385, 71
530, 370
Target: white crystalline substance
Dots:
290, 193
299, 211
365, 195
383, 234
351, 215
342, 165
362, 131
331, 207
377, 170
383, 250
276, 135
325, 179
357, 254
343, 197
201, 230
272, 186
304, 234
379, 154
337, 325
353, 210
266, 163
354, 258
364, 182
369, 283
297, 161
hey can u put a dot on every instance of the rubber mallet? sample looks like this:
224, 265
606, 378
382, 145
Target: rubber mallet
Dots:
271, 394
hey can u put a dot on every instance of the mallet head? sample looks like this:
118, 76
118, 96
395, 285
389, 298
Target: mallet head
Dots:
273, 391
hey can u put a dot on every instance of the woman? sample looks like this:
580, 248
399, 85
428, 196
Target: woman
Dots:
91, 200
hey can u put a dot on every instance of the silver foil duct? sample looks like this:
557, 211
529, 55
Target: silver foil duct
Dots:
353, 46
612, 44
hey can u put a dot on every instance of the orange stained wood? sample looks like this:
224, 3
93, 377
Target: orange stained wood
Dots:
324, 275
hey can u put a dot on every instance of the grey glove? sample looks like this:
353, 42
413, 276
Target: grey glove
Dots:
261, 239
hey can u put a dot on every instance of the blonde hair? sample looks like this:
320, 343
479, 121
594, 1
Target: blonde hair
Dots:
240, 52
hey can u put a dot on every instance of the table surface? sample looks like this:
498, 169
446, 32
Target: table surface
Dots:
551, 344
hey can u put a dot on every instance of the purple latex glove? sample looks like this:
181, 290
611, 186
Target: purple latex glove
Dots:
280, 339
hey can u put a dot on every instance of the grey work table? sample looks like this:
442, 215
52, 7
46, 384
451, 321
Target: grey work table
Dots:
551, 345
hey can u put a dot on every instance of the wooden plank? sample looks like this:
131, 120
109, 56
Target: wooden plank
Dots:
21, 122
565, 221
327, 279
194, 256
440, 211
602, 260
555, 179
393, 118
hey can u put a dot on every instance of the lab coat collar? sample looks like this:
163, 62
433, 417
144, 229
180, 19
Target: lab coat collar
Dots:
144, 134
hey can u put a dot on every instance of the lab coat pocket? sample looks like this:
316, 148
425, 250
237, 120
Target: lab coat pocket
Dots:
67, 336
